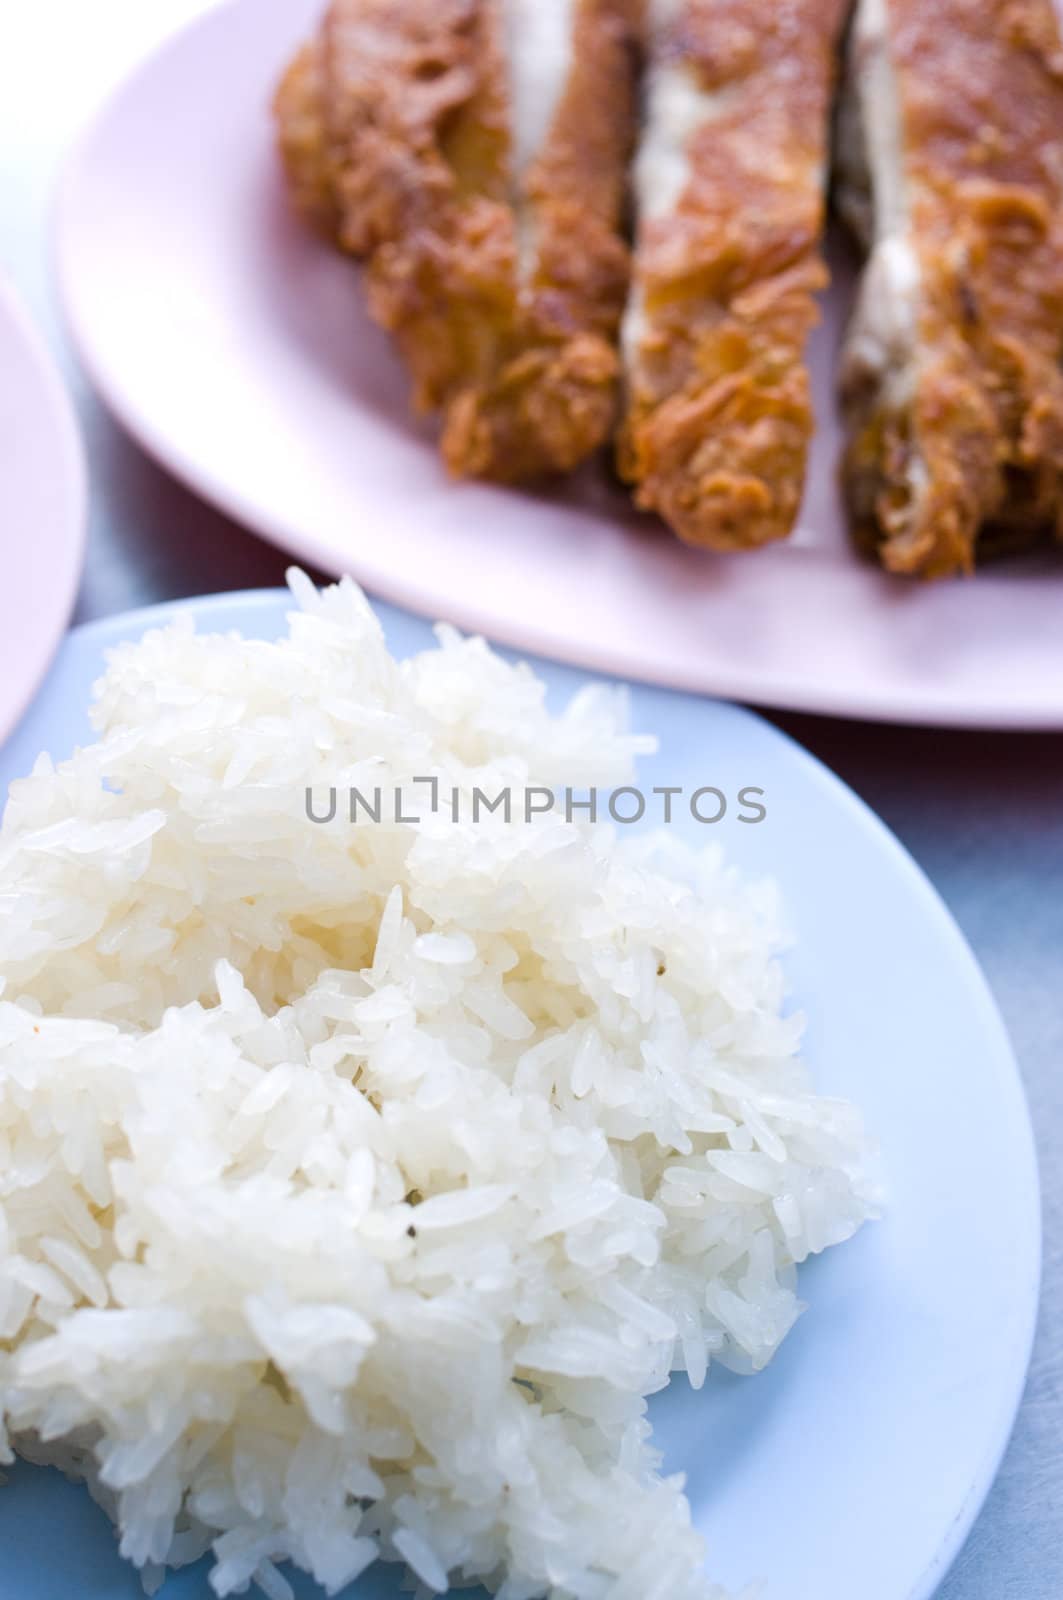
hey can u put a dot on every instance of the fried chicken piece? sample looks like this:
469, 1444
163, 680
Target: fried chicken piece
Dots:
474, 155
729, 185
299, 108
951, 378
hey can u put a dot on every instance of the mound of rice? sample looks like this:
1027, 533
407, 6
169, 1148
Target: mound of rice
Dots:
358, 1183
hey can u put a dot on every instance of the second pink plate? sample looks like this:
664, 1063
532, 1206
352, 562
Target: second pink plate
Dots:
42, 509
235, 347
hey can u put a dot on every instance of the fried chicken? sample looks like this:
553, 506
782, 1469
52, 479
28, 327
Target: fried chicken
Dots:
729, 187
951, 378
474, 155
299, 109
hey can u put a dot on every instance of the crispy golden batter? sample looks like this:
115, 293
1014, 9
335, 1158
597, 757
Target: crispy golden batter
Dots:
957, 437
719, 416
503, 290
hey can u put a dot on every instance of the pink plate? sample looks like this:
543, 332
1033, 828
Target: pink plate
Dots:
235, 347
42, 510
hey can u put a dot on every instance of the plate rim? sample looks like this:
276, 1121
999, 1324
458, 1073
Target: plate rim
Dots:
71, 469
1007, 1075
900, 704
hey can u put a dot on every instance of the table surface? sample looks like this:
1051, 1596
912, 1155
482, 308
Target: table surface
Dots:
982, 813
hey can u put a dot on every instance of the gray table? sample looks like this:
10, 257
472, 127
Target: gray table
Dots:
982, 813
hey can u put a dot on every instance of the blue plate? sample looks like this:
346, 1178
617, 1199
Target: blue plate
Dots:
856, 1463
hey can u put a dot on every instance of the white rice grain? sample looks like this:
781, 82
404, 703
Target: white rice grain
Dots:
358, 1182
